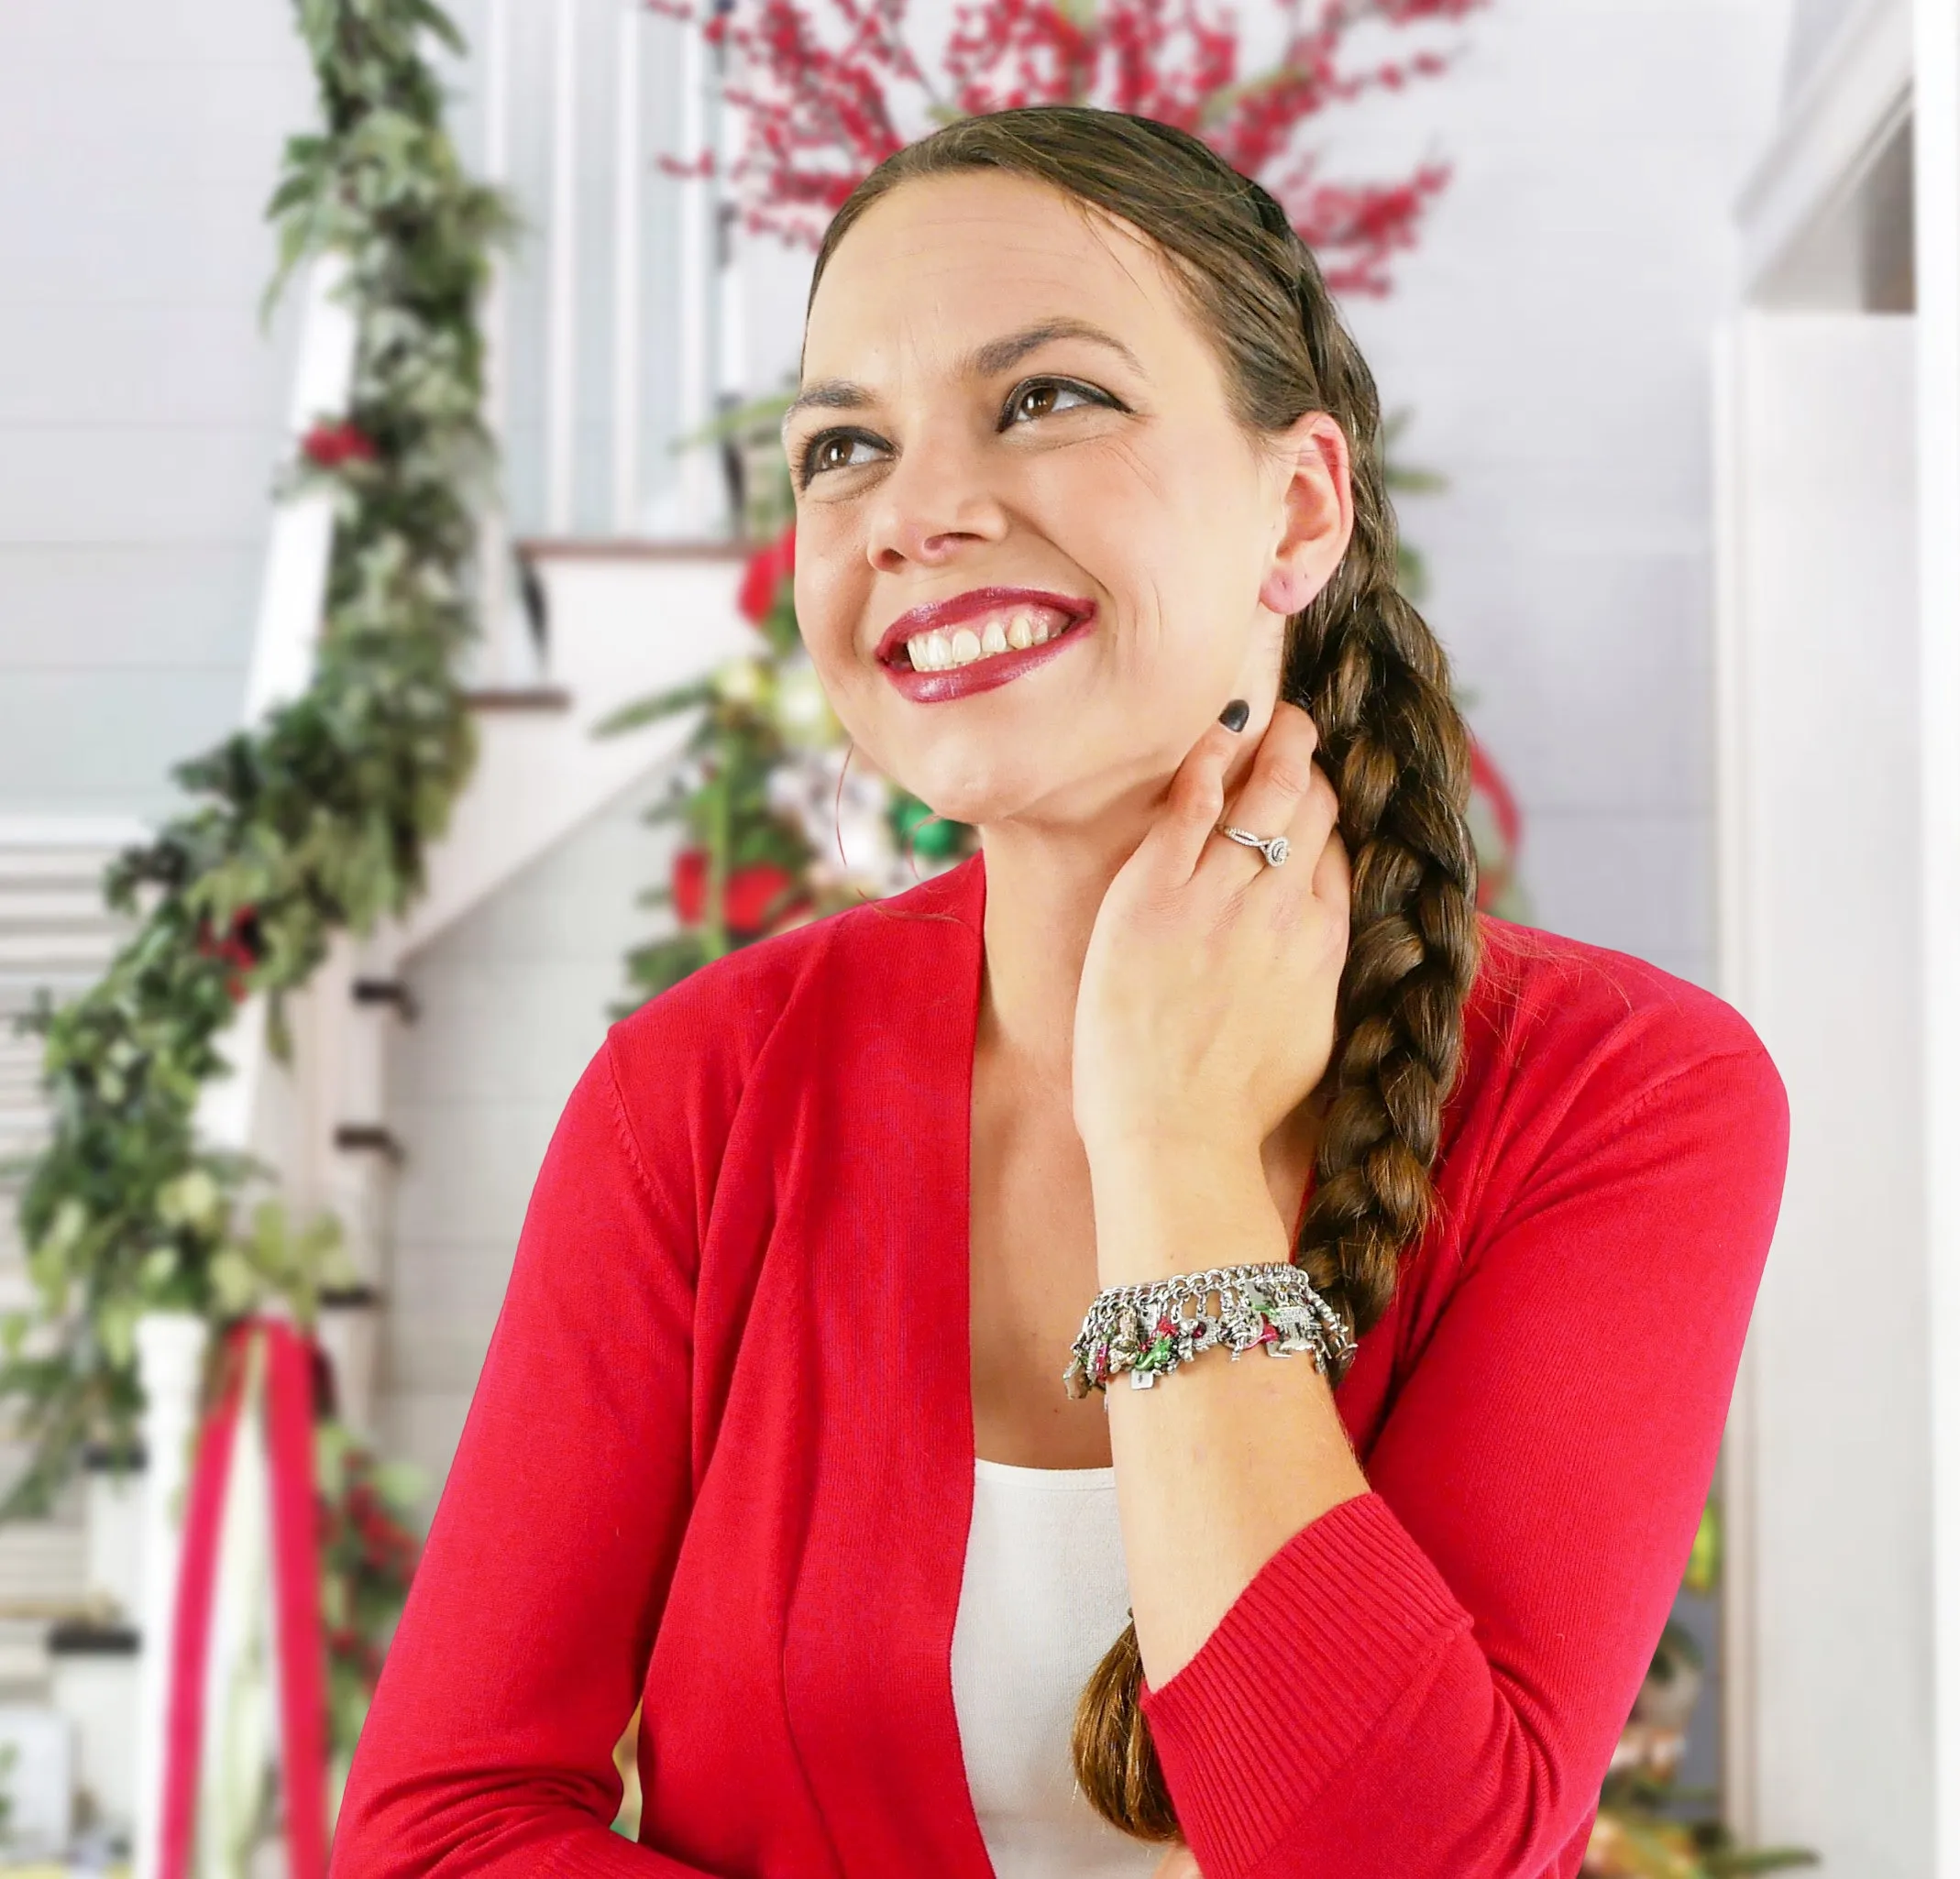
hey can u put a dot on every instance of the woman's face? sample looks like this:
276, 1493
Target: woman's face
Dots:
1036, 554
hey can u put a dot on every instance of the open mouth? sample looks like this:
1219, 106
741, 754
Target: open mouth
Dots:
979, 640
986, 636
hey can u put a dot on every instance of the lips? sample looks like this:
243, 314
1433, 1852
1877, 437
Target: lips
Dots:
978, 640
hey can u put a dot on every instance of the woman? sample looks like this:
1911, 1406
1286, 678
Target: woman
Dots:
1092, 552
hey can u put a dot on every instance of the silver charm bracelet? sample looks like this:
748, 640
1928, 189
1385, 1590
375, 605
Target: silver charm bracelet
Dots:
1146, 1330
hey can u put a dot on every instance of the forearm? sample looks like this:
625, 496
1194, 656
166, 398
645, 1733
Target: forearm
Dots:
1220, 1464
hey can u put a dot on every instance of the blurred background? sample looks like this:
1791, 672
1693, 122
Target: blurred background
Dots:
457, 573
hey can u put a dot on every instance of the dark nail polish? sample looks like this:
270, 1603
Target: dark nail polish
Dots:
1235, 714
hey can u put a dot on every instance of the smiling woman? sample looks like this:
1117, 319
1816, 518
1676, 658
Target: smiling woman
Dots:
1207, 1046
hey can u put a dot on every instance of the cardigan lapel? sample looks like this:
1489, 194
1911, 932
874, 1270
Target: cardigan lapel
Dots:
883, 1187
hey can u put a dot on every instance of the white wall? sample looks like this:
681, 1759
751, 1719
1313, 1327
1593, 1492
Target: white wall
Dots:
1813, 23
140, 404
1552, 336
1821, 873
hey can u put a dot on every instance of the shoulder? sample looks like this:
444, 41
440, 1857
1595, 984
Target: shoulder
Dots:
1566, 1038
1556, 1002
705, 1041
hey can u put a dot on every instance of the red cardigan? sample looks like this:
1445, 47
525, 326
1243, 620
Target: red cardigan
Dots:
721, 1455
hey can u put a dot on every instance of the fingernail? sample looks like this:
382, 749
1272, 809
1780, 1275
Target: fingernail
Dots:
1235, 714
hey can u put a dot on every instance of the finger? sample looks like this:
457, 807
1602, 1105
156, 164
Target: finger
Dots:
1315, 824
1175, 844
1281, 777
1313, 831
1334, 874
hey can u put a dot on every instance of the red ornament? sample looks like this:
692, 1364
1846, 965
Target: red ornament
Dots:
768, 568
1167, 1327
754, 897
691, 885
238, 948
330, 446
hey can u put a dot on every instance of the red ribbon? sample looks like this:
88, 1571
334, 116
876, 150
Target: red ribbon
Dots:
296, 1601
1486, 777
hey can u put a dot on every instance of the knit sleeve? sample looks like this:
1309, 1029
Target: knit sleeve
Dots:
518, 1657
1428, 1681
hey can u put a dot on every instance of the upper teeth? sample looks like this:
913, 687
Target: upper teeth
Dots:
1026, 626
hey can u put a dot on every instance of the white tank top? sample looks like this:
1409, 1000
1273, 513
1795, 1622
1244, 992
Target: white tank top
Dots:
1043, 1596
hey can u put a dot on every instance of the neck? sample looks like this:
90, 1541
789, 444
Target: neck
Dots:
1044, 887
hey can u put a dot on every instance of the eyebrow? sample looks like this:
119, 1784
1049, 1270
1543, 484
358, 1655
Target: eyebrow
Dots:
984, 361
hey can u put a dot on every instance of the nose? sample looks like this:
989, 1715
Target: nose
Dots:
933, 502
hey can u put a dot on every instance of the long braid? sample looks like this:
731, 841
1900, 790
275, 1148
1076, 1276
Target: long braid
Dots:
1376, 682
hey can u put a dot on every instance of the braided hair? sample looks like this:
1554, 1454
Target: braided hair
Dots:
1362, 660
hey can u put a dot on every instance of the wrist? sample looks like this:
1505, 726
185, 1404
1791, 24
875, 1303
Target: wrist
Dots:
1179, 1210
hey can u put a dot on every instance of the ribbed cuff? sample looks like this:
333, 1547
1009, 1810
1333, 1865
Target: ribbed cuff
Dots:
1336, 1626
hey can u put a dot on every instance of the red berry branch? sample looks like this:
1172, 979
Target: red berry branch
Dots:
827, 89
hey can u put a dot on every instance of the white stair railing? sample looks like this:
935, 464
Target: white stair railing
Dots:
250, 1109
615, 328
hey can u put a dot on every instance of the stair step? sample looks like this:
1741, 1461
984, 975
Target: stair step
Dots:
526, 698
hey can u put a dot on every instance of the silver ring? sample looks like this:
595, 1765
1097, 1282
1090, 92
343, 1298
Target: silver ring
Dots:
1275, 848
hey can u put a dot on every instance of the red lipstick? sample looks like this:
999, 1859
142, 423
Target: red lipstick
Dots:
991, 670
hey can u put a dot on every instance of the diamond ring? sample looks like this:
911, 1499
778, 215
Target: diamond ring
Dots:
1273, 846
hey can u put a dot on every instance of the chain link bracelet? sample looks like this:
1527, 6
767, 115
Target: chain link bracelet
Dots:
1148, 1330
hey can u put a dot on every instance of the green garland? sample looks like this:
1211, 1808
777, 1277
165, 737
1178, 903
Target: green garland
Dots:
314, 821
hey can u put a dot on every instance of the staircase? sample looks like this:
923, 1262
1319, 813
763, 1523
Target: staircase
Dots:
65, 1582
612, 330
623, 619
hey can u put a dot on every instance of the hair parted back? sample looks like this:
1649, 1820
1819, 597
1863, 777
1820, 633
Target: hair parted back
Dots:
1363, 663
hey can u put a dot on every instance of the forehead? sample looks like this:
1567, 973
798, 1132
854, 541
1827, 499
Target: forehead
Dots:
944, 262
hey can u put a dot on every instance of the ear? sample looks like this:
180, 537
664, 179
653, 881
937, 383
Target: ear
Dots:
1317, 512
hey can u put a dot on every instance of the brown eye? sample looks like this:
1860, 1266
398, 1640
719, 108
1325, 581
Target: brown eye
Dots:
829, 450
1040, 398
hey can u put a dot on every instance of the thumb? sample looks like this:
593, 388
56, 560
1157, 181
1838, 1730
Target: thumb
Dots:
1196, 798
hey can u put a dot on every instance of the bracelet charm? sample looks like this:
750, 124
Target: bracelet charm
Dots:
1150, 1330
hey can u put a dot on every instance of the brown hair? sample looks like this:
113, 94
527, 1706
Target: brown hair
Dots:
1362, 660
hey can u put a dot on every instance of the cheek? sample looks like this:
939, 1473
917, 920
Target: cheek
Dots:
1168, 534
831, 596
827, 606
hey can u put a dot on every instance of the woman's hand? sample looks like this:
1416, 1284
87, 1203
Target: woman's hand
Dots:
1206, 1013
1178, 1865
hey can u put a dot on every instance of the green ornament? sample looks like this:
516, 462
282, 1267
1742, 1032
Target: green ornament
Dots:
915, 827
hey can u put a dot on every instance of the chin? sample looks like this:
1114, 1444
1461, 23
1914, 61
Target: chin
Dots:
1039, 794
988, 793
